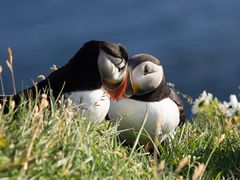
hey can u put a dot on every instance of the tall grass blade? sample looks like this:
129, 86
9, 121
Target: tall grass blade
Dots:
139, 133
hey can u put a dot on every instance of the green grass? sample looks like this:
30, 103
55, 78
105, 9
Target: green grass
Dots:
65, 146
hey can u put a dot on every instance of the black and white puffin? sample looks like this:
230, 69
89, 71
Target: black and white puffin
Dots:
96, 71
147, 90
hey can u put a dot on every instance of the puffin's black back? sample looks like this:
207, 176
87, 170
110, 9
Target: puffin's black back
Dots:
73, 76
80, 73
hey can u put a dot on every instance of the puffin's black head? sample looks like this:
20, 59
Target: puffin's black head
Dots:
109, 61
145, 74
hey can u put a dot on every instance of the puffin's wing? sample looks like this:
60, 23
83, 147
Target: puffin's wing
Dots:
31, 92
175, 97
27, 93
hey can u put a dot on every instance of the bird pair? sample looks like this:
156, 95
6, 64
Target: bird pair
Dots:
101, 69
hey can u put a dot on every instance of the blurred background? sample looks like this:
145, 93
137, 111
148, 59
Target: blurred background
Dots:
198, 42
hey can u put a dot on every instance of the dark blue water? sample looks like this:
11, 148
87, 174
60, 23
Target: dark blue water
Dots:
198, 42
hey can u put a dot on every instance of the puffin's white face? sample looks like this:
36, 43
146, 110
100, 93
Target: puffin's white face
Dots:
112, 66
113, 69
145, 77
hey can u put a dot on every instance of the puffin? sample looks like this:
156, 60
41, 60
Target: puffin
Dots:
149, 96
96, 73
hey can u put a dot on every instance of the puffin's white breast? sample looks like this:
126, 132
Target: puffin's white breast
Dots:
131, 113
94, 104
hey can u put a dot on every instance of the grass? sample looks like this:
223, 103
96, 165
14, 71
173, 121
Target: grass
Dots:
46, 140
38, 141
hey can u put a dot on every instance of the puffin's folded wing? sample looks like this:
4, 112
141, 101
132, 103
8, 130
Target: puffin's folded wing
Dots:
175, 97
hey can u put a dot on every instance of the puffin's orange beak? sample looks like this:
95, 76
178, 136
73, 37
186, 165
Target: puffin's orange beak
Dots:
117, 93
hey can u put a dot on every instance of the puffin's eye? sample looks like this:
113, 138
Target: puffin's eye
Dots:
120, 63
123, 67
146, 70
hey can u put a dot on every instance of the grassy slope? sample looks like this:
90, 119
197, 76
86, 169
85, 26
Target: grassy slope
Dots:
65, 146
